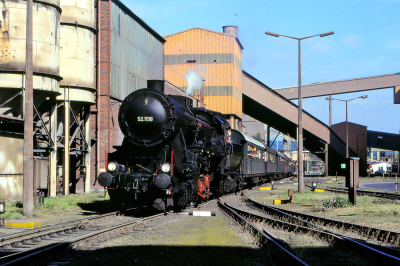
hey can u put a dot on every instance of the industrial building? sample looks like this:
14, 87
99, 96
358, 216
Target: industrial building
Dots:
216, 58
88, 56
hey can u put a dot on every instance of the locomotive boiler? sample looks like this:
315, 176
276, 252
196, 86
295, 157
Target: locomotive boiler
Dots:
172, 155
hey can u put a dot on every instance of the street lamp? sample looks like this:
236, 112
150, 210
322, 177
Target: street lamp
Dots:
300, 109
347, 124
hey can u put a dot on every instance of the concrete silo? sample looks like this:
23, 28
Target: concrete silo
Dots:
46, 54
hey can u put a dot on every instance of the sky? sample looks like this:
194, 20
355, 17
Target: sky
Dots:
366, 43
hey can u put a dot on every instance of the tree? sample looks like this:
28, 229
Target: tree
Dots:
258, 137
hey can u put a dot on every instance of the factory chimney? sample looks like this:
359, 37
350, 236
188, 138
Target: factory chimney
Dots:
231, 30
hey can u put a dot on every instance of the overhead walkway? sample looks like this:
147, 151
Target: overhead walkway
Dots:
271, 108
345, 86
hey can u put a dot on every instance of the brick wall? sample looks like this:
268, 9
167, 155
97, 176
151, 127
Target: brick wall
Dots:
104, 107
101, 111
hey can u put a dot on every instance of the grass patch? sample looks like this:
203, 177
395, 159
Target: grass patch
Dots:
58, 205
371, 211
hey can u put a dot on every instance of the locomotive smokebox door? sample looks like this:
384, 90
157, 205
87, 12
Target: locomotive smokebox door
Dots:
162, 181
105, 179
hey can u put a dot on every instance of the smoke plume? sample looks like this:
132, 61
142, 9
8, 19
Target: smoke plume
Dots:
194, 81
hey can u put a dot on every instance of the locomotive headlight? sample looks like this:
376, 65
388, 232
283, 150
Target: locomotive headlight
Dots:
112, 166
165, 167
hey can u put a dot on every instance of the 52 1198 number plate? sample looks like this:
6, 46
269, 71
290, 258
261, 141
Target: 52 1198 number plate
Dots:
145, 119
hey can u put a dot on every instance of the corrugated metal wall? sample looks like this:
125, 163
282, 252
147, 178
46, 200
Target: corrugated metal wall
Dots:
215, 57
136, 55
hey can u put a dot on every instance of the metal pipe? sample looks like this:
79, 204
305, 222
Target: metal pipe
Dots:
66, 141
28, 117
202, 95
98, 91
53, 153
87, 155
109, 78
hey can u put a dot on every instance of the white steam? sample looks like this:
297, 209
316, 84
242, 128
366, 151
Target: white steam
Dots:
194, 81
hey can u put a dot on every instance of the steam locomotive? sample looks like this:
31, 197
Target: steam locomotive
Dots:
175, 155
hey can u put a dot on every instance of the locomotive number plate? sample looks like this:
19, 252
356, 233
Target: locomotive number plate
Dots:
145, 119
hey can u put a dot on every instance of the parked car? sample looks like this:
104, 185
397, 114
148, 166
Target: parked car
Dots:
379, 172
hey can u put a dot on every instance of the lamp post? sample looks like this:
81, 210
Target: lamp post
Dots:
347, 124
300, 108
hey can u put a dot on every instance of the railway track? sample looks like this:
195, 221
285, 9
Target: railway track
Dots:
280, 221
78, 234
266, 236
386, 195
375, 234
28, 245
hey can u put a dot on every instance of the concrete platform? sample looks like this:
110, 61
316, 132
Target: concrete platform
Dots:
23, 224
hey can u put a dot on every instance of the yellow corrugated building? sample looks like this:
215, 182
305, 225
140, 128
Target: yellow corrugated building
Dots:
216, 58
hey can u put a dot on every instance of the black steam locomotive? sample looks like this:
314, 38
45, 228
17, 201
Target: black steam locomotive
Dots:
174, 154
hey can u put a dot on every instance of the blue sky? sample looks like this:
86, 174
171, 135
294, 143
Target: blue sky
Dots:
366, 43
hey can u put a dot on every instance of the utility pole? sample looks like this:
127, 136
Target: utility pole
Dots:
28, 117
300, 108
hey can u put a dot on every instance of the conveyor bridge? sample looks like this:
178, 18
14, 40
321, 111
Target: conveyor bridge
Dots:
271, 108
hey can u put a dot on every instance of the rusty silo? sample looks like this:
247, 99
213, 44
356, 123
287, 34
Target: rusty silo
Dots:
46, 54
77, 88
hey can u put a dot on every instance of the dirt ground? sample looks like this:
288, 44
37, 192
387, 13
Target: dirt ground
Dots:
180, 239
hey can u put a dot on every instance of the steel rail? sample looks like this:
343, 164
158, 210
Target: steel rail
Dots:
20, 236
292, 226
23, 256
367, 231
383, 252
361, 192
290, 256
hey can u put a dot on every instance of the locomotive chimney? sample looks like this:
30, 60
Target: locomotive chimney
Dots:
231, 30
156, 84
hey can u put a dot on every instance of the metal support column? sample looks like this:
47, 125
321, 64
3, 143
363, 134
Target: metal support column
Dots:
330, 110
28, 118
66, 142
300, 128
53, 153
398, 162
88, 154
268, 136
326, 160
347, 134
